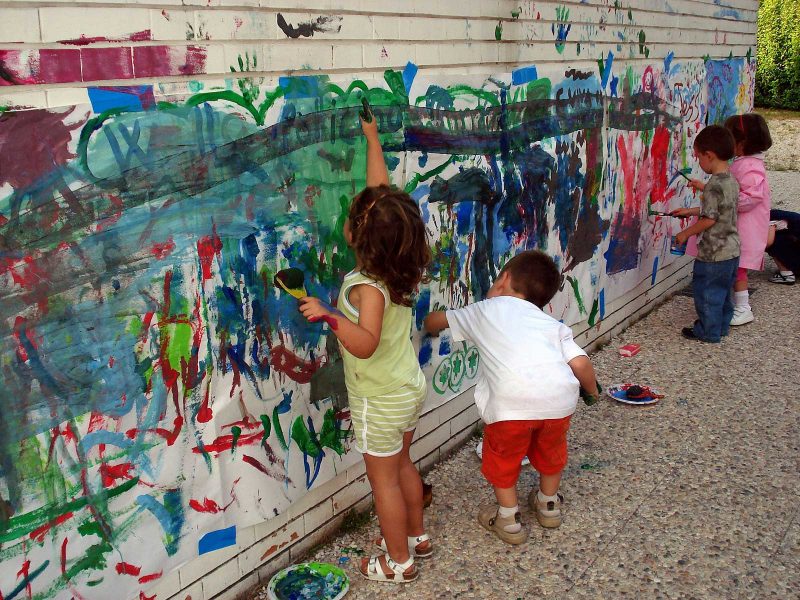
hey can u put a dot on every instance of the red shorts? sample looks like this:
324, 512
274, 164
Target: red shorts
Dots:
506, 443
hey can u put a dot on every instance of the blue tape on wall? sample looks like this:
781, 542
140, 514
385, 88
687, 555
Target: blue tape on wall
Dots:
215, 540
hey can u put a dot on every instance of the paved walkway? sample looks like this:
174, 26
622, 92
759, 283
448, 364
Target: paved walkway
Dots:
695, 497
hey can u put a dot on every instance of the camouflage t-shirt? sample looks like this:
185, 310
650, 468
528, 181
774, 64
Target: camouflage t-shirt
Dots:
720, 241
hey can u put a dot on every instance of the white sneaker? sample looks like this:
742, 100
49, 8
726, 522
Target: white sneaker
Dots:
741, 316
779, 277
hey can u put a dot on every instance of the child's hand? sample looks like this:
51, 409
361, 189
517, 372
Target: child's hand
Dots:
681, 237
314, 309
370, 128
697, 184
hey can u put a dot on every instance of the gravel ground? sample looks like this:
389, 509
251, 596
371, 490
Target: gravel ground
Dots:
693, 497
784, 127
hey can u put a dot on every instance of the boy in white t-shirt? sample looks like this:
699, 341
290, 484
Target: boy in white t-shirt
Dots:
530, 376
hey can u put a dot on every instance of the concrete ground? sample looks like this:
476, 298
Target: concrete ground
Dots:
697, 496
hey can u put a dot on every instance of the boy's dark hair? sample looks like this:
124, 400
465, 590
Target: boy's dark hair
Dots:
388, 236
716, 139
752, 131
534, 275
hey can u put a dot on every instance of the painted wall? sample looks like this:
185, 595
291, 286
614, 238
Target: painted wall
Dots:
161, 399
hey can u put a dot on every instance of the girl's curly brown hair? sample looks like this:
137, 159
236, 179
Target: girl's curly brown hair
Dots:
388, 237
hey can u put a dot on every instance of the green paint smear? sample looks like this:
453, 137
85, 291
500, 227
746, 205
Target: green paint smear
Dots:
574, 283
498, 31
593, 313
23, 524
237, 431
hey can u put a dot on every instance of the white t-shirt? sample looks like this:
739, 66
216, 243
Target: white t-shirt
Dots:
524, 353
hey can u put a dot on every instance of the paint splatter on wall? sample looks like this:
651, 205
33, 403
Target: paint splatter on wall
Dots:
159, 390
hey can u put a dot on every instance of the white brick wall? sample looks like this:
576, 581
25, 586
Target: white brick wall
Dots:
443, 37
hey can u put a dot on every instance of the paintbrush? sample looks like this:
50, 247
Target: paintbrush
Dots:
663, 214
684, 175
291, 281
366, 112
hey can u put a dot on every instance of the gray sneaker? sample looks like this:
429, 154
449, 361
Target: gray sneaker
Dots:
778, 277
547, 513
489, 519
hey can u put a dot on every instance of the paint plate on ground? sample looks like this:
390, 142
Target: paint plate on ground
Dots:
619, 393
307, 581
479, 452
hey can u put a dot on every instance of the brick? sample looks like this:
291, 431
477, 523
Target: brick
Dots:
20, 25
100, 64
427, 423
428, 461
58, 97
316, 517
387, 55
163, 61
468, 418
270, 526
344, 499
356, 471
426, 54
317, 494
388, 28
79, 24
301, 550
430, 442
193, 592
269, 568
300, 55
165, 586
219, 579
348, 56
235, 25
197, 568
173, 25
266, 549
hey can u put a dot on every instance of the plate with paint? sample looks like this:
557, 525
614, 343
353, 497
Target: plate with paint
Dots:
304, 581
479, 452
634, 393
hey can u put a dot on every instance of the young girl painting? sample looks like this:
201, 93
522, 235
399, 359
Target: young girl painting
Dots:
752, 138
385, 385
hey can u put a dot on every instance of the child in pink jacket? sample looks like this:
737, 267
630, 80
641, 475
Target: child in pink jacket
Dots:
752, 138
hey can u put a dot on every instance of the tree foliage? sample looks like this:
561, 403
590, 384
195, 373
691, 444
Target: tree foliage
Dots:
778, 54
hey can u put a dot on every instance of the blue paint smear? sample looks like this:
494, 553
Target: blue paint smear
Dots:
216, 540
464, 217
170, 515
130, 98
409, 72
524, 75
302, 86
112, 438
602, 300
655, 271
27, 580
422, 307
425, 351
614, 84
728, 12
444, 346
607, 69
668, 61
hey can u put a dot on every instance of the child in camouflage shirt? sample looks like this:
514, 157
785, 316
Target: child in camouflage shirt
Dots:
718, 239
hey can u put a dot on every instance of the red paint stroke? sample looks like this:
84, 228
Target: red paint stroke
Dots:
164, 249
37, 535
100, 64
260, 466
207, 506
124, 568
137, 36
110, 473
659, 152
25, 67
332, 323
168, 435
293, 366
64, 557
205, 414
246, 423
150, 577
24, 572
225, 442
161, 61
207, 248
143, 596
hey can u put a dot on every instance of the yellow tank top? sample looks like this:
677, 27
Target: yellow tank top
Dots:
394, 362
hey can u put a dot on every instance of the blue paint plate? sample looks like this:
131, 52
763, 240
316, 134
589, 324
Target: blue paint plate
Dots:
618, 393
307, 581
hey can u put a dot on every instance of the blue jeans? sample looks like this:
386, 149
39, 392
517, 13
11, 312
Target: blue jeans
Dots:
712, 288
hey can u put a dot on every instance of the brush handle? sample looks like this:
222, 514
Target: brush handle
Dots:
684, 175
663, 214
298, 293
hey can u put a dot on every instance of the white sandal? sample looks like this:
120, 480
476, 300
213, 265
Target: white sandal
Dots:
398, 575
413, 544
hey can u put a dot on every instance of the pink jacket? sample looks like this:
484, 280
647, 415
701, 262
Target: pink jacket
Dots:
753, 210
